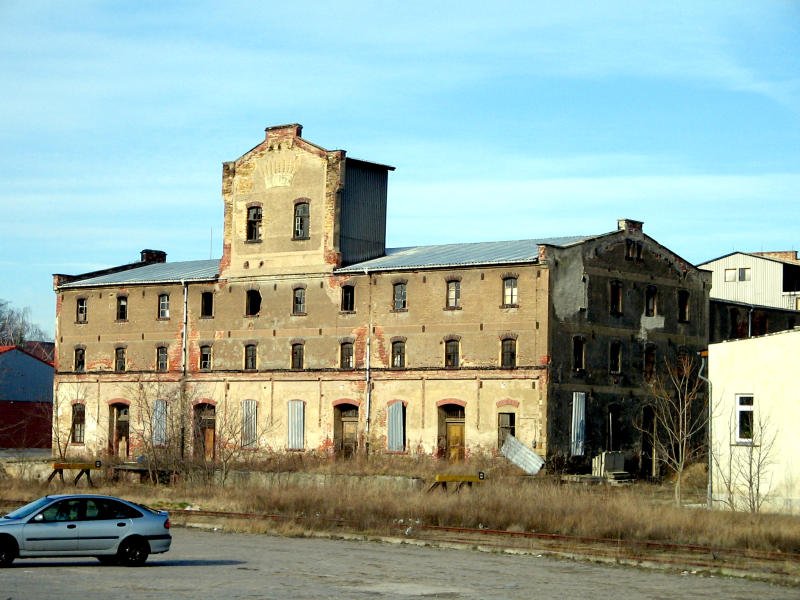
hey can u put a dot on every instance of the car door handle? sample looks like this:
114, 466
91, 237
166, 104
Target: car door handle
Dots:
121, 524
71, 526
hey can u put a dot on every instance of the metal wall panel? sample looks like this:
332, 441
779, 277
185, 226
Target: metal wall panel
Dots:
362, 235
397, 427
296, 414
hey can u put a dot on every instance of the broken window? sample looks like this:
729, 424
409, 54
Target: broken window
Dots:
453, 294
650, 301
396, 427
510, 291
508, 353
206, 304
451, 354
79, 362
250, 357
254, 224
78, 423
252, 303
399, 296
578, 353
398, 354
683, 306
615, 357
615, 298
649, 362
81, 310
348, 298
205, 358
299, 302
301, 220
346, 355
159, 423
296, 429
119, 360
163, 306
162, 360
744, 419
249, 423
633, 250
122, 308
297, 356
506, 425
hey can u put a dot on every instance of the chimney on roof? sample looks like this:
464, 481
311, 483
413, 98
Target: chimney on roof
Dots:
629, 225
283, 132
154, 256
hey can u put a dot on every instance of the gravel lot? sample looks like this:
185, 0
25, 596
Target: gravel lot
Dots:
213, 564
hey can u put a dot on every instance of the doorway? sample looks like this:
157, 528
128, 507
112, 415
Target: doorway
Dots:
452, 440
345, 430
204, 443
119, 430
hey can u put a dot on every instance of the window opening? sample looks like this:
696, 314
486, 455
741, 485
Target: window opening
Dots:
396, 441
250, 356
510, 291
254, 224
683, 306
348, 298
399, 297
299, 303
249, 423
207, 304
252, 303
163, 306
346, 355
122, 308
578, 353
451, 358
159, 423
205, 358
744, 419
651, 301
615, 298
649, 362
119, 360
78, 423
453, 294
506, 425
509, 353
297, 356
296, 420
162, 361
301, 221
398, 355
615, 357
81, 310
80, 360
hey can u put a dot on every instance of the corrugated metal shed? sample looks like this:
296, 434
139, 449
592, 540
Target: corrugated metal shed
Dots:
459, 255
190, 270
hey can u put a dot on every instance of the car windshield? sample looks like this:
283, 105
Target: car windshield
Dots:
28, 509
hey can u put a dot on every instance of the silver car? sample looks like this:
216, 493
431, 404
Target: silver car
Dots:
111, 529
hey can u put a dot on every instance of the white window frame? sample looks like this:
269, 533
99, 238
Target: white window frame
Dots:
163, 306
742, 408
510, 291
730, 275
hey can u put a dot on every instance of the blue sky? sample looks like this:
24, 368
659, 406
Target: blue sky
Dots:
505, 120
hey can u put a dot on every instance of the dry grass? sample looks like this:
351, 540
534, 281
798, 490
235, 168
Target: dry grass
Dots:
504, 501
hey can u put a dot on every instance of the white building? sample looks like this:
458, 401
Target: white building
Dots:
755, 412
757, 278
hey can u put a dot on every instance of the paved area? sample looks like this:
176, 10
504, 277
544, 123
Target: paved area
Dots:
208, 564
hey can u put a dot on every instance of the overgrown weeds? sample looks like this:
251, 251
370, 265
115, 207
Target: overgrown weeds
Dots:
367, 503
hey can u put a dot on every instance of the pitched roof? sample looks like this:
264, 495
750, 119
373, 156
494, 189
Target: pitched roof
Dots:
460, 255
190, 270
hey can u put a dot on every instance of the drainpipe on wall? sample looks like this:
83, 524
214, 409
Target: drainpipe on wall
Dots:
710, 487
184, 360
750, 323
368, 373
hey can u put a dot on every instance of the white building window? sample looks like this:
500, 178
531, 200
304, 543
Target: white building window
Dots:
730, 275
744, 419
163, 306
744, 274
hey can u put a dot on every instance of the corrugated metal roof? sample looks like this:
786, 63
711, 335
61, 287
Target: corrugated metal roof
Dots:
190, 270
458, 255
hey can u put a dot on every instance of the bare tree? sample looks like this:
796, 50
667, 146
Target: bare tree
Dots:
680, 413
743, 467
16, 326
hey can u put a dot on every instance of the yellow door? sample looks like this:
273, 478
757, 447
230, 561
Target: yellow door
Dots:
455, 441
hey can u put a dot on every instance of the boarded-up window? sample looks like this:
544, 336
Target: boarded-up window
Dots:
296, 414
578, 423
159, 423
249, 423
397, 427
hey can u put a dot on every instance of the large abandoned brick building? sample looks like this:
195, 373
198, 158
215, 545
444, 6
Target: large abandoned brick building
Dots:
310, 335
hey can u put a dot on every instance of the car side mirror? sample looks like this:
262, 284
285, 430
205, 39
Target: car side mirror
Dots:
38, 518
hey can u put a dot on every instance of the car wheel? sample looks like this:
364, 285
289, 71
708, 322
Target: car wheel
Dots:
8, 552
107, 560
133, 552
